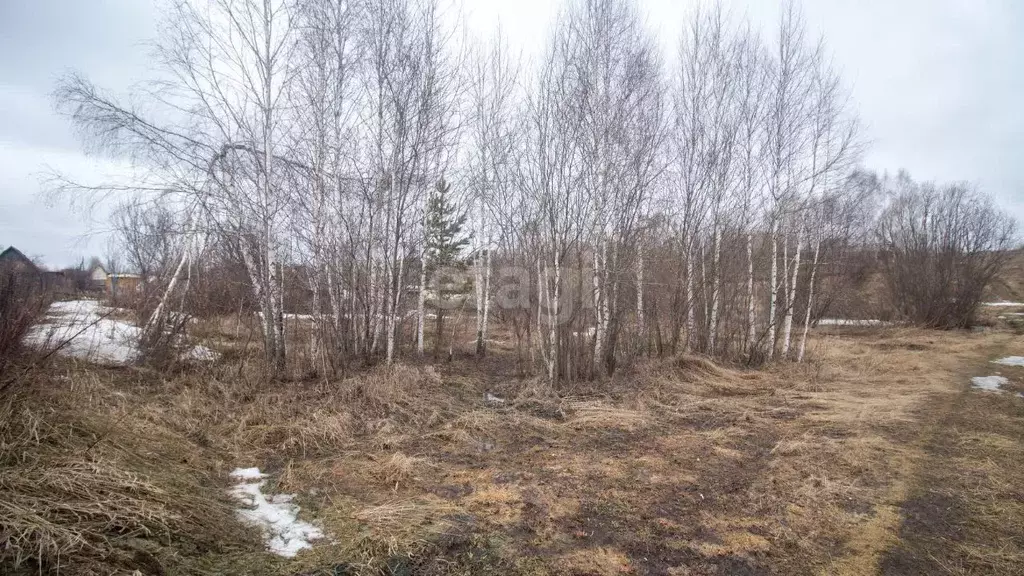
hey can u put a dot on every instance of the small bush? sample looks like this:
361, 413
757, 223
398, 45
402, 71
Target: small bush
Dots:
22, 302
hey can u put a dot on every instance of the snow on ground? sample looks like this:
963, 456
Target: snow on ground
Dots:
85, 329
847, 322
289, 316
1004, 304
88, 331
1010, 361
200, 353
988, 383
276, 514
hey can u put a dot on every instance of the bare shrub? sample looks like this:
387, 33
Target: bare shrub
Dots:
22, 302
941, 247
164, 342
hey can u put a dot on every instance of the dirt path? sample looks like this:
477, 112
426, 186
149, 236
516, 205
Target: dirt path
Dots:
965, 509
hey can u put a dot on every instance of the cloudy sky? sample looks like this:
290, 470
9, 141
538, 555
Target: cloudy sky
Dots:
938, 84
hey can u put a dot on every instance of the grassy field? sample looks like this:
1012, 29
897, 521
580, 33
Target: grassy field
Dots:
875, 456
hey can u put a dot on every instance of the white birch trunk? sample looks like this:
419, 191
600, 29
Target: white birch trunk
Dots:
540, 308
317, 322
641, 323
334, 300
550, 350
598, 322
751, 312
715, 291
787, 327
275, 319
704, 281
421, 300
478, 279
274, 295
611, 292
785, 270
154, 319
395, 288
690, 318
810, 302
553, 313
487, 295
376, 317
774, 290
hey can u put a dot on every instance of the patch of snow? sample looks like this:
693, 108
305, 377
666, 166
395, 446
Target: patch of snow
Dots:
488, 340
492, 399
200, 353
247, 474
1004, 304
849, 322
84, 329
88, 331
1010, 361
988, 383
276, 515
288, 316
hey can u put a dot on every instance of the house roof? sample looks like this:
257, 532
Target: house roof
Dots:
15, 255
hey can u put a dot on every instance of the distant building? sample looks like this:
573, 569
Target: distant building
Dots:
123, 285
98, 276
14, 261
61, 282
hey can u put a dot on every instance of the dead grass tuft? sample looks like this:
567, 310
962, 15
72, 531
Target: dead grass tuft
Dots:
697, 367
410, 394
398, 470
405, 526
592, 414
83, 478
596, 562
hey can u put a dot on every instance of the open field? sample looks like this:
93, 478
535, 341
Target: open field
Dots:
876, 456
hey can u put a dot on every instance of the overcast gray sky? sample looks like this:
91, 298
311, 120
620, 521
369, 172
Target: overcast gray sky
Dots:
938, 84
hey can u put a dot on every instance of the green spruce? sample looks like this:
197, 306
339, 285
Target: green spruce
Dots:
445, 241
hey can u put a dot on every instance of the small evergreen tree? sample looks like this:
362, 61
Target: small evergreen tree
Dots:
444, 223
445, 240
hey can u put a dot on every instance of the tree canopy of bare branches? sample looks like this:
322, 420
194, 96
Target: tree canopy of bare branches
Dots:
618, 203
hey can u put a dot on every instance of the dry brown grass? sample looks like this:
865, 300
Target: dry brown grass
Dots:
406, 526
82, 480
596, 562
590, 414
399, 469
678, 467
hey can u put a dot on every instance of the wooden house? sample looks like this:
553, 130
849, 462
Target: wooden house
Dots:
13, 261
98, 277
123, 285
